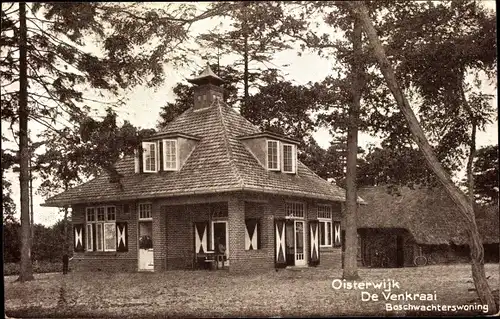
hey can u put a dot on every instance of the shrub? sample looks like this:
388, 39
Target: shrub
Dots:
10, 269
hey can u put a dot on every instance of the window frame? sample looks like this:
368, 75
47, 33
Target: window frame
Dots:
165, 168
294, 157
294, 205
100, 243
145, 146
89, 240
325, 215
278, 159
328, 224
139, 211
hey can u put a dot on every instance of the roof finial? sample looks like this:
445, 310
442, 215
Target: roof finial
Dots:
207, 76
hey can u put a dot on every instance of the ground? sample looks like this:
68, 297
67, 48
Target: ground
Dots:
304, 292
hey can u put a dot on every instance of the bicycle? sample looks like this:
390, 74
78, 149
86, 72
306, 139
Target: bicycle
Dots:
420, 260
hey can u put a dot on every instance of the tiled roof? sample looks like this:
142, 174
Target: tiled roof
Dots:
428, 214
219, 163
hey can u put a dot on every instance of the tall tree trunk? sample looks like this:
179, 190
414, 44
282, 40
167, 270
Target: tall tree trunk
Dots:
26, 271
65, 222
245, 55
466, 210
32, 220
65, 240
470, 162
351, 228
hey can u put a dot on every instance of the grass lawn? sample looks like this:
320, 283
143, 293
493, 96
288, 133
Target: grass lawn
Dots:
304, 292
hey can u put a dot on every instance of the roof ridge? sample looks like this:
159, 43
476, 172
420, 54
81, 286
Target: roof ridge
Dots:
229, 152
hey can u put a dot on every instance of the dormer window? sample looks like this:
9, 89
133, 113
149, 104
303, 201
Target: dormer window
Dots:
289, 158
149, 157
273, 156
170, 155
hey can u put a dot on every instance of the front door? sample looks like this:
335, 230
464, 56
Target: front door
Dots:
146, 256
300, 259
294, 240
219, 239
290, 242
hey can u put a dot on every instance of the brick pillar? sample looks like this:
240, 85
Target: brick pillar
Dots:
159, 237
236, 230
267, 232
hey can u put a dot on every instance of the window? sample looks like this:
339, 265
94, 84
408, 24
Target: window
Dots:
101, 224
145, 210
325, 212
100, 214
289, 158
273, 158
90, 218
149, 157
111, 210
170, 155
90, 214
294, 210
89, 244
325, 225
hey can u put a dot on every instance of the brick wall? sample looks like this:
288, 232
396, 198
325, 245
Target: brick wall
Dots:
180, 236
105, 264
173, 233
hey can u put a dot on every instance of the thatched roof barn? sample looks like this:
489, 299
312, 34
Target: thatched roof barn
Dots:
429, 215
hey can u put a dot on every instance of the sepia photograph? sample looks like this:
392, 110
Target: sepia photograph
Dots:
266, 159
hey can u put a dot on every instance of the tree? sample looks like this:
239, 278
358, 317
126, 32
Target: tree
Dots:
343, 112
438, 73
11, 236
285, 108
8, 205
351, 230
48, 41
467, 213
254, 36
393, 165
486, 174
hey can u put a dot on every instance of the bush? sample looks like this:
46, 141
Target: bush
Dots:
10, 269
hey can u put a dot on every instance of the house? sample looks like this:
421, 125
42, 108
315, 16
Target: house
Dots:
394, 228
209, 178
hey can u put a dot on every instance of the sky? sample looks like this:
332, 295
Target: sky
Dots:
143, 107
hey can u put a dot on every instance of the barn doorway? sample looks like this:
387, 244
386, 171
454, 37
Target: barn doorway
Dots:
400, 251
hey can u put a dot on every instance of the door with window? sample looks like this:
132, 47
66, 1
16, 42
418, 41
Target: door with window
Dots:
146, 254
294, 242
220, 239
299, 257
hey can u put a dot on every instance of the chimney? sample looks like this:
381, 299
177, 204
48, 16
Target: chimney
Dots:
207, 88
